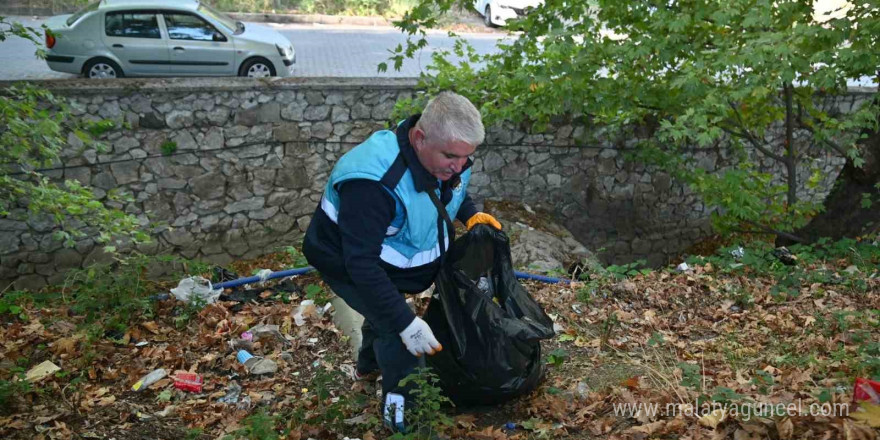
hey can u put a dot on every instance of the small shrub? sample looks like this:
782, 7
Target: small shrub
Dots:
11, 304
425, 417
257, 426
11, 389
117, 293
629, 270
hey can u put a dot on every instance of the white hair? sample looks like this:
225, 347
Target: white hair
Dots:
450, 117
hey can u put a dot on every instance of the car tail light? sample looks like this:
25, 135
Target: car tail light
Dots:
50, 40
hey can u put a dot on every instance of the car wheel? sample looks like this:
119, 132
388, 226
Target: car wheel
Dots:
102, 68
488, 17
257, 68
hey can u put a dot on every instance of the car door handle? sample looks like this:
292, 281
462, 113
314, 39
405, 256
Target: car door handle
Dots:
118, 45
178, 48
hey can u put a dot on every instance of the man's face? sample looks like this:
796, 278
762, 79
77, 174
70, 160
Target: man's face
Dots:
441, 159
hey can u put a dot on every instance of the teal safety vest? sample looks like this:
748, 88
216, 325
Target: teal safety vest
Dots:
411, 239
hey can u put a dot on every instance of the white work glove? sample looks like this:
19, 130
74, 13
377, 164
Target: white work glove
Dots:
419, 338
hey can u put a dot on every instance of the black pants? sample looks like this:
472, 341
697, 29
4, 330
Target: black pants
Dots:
382, 347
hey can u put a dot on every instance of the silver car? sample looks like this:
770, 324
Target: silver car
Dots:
116, 38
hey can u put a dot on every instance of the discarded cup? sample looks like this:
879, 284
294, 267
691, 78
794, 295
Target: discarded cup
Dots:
256, 365
187, 381
149, 379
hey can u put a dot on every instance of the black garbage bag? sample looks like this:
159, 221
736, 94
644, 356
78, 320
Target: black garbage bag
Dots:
489, 325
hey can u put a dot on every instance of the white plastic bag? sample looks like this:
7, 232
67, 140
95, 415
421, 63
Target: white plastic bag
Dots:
196, 287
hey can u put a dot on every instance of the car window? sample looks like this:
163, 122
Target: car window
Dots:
78, 14
188, 27
218, 16
132, 25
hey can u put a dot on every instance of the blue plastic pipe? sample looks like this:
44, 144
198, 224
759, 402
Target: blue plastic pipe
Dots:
273, 275
302, 270
550, 280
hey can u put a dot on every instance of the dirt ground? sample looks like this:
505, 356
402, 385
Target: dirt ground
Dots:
665, 337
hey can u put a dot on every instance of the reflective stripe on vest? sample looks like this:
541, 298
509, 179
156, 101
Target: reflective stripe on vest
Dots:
389, 254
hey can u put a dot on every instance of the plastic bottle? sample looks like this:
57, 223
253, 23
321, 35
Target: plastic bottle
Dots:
149, 379
483, 284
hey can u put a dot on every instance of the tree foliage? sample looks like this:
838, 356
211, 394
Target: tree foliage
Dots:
34, 127
743, 75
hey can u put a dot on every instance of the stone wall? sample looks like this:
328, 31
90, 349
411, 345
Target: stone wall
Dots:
234, 168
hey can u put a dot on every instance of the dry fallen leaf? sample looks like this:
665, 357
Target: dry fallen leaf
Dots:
489, 433
151, 326
65, 346
713, 419
785, 428
742, 434
631, 383
649, 428
466, 421
868, 413
855, 431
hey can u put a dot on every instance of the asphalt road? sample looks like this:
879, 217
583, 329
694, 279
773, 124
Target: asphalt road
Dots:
321, 50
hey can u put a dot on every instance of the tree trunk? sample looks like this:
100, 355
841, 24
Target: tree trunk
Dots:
843, 215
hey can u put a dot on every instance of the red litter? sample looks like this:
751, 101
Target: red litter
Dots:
184, 380
866, 390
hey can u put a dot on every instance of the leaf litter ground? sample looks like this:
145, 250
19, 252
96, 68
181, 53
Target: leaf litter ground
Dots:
664, 338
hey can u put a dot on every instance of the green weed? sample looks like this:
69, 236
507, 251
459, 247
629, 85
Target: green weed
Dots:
193, 433
189, 311
11, 389
299, 260
425, 417
610, 324
117, 293
168, 148
11, 304
318, 294
257, 426
690, 375
557, 357
629, 270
